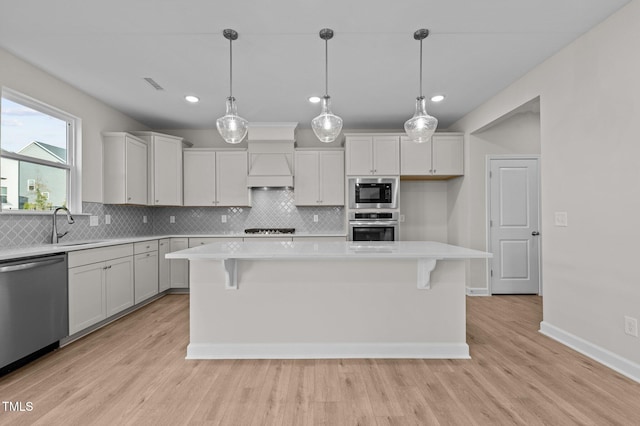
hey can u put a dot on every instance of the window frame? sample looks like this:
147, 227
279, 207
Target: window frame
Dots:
74, 154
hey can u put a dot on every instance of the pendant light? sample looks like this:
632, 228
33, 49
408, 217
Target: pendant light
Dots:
421, 126
326, 126
231, 127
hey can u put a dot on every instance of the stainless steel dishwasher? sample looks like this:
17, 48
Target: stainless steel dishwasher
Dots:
33, 307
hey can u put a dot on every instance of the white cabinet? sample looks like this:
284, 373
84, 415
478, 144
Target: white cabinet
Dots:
100, 284
124, 169
146, 270
215, 178
319, 178
165, 168
164, 265
373, 155
179, 270
440, 158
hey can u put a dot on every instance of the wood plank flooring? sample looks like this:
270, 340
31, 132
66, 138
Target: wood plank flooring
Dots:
133, 372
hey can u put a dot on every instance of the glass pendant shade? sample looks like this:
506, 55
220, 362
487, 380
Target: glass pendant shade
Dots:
421, 126
232, 127
327, 126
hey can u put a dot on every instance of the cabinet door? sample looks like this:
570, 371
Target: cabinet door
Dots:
86, 296
415, 158
164, 268
136, 171
332, 178
359, 155
386, 155
307, 178
448, 155
118, 285
146, 276
200, 178
231, 178
179, 267
167, 171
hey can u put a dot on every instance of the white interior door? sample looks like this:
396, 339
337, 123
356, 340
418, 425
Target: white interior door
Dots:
514, 227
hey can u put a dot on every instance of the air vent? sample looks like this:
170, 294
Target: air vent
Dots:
153, 83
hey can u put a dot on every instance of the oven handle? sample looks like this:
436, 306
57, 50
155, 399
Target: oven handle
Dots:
374, 223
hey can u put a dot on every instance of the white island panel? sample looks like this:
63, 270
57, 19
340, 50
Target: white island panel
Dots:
327, 300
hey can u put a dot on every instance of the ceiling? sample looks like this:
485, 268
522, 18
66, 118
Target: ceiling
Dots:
475, 49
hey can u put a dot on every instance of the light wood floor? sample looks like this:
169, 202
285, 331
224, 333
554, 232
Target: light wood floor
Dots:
133, 372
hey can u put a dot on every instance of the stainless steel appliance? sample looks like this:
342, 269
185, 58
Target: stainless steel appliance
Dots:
373, 193
33, 308
373, 226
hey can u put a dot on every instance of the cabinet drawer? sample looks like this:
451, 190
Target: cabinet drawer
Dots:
145, 246
86, 257
195, 242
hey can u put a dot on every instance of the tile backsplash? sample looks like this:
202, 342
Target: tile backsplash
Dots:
270, 208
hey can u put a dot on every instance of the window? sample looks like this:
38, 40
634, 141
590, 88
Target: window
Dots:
3, 195
38, 164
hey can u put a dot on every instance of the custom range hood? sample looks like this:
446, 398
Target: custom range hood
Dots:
270, 149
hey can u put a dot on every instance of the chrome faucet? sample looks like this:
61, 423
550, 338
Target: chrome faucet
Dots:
54, 232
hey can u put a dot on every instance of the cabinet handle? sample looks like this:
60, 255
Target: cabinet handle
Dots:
434, 171
148, 254
157, 201
129, 198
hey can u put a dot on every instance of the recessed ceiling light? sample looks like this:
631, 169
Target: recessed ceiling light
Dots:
192, 99
314, 99
437, 98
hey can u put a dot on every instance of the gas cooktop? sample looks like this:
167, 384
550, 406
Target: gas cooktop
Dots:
269, 231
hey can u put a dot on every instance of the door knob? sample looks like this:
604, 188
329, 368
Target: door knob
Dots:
535, 233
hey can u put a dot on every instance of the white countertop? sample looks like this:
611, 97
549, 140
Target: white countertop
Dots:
67, 246
328, 250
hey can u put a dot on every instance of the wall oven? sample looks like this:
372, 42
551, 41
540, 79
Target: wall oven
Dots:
373, 193
373, 226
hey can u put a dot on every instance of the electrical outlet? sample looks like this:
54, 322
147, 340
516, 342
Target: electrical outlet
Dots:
631, 326
561, 219
107, 219
144, 219
94, 220
172, 219
223, 218
315, 217
401, 218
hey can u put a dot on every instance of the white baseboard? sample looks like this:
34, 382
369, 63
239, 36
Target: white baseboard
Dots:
477, 291
603, 356
328, 350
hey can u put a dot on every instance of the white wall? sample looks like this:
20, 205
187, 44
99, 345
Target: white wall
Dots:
96, 117
424, 206
589, 109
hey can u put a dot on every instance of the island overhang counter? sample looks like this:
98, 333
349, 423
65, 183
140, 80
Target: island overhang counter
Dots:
301, 299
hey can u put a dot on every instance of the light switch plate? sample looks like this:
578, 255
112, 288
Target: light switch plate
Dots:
315, 217
93, 221
144, 219
561, 219
107, 219
223, 218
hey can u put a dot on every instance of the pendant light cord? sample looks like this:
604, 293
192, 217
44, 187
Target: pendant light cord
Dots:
326, 67
421, 68
230, 68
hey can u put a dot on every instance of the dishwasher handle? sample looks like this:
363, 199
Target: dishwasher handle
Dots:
30, 265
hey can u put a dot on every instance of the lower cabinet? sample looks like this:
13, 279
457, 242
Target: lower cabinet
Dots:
164, 265
179, 269
100, 284
146, 270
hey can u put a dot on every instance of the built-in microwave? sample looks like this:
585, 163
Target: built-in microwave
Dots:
373, 193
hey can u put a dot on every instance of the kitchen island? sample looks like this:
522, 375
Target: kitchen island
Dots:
327, 299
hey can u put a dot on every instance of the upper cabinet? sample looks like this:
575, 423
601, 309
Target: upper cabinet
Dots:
319, 178
165, 168
373, 155
440, 158
215, 178
124, 169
